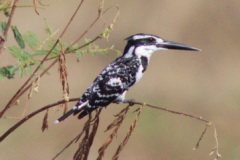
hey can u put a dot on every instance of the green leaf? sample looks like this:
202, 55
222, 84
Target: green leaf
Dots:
48, 29
6, 12
8, 71
40, 52
106, 33
22, 71
18, 36
31, 39
103, 51
118, 52
79, 53
3, 26
5, 7
56, 49
20, 54
28, 69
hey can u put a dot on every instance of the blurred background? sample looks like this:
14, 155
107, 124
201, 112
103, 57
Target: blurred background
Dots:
201, 83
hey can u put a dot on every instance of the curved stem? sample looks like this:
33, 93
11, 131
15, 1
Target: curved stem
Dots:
9, 131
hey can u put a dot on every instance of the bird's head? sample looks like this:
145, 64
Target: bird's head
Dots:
145, 44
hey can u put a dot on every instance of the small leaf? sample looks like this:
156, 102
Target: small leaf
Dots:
56, 49
22, 71
31, 39
40, 52
106, 33
3, 26
48, 29
6, 12
29, 69
18, 36
8, 72
5, 6
79, 53
117, 51
105, 52
64, 45
20, 54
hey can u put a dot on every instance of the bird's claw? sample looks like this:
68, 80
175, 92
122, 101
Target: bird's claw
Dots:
129, 101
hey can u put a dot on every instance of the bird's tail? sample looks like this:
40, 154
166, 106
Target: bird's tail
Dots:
65, 116
84, 112
79, 107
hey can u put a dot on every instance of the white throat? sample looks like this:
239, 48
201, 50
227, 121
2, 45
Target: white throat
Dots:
145, 51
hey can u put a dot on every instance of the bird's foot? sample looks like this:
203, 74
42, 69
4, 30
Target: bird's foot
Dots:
117, 101
129, 101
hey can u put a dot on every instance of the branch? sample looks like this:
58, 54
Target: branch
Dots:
208, 123
10, 19
3, 37
171, 111
9, 131
90, 122
117, 122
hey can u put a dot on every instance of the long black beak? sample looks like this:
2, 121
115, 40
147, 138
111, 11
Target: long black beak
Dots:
174, 45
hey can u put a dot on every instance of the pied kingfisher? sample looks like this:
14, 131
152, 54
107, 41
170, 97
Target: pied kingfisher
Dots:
115, 80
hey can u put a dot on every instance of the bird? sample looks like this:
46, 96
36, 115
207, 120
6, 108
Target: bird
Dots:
112, 84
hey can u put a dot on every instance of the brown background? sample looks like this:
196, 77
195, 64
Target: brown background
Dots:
202, 83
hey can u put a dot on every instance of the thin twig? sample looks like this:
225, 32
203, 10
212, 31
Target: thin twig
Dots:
45, 122
68, 145
208, 123
86, 31
201, 137
90, 132
86, 126
10, 19
172, 111
18, 124
80, 154
116, 123
3, 37
129, 133
215, 149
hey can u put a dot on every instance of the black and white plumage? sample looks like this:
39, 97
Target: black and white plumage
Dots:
115, 80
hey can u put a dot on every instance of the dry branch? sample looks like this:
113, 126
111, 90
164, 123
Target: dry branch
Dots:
81, 153
4, 36
45, 122
90, 132
10, 19
18, 124
129, 133
62, 69
116, 124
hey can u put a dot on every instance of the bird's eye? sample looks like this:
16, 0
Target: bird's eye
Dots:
151, 39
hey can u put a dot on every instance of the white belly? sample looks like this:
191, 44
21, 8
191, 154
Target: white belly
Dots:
139, 73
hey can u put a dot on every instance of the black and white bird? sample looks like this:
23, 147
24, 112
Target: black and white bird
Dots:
112, 84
